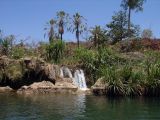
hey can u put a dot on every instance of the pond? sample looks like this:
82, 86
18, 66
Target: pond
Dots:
76, 107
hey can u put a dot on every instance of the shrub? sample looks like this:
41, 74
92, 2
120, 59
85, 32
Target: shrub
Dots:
88, 60
126, 73
55, 50
153, 80
18, 52
114, 86
14, 72
5, 47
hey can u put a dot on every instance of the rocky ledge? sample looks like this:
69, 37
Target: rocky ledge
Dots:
48, 87
33, 75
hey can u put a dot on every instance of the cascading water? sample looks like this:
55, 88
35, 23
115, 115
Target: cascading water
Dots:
61, 73
78, 79
65, 72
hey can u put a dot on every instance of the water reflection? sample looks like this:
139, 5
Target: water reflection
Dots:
76, 107
43, 107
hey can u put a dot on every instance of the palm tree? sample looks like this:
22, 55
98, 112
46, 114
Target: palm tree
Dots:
62, 20
78, 25
136, 5
95, 32
50, 29
98, 35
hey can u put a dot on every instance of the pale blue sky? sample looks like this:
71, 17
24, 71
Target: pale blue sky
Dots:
25, 18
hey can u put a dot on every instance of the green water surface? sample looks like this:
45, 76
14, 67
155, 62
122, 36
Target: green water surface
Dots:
76, 107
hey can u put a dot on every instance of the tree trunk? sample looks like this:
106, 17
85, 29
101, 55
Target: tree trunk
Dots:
95, 41
61, 36
77, 36
129, 23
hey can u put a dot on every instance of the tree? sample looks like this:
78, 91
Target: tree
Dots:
50, 30
62, 20
130, 5
117, 28
6, 43
78, 26
98, 36
147, 33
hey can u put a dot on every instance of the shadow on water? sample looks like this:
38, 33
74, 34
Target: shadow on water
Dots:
77, 107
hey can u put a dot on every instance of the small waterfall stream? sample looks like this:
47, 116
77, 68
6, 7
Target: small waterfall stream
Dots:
65, 72
78, 79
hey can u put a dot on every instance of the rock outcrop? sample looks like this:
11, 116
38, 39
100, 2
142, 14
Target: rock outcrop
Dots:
99, 87
48, 87
32, 75
6, 89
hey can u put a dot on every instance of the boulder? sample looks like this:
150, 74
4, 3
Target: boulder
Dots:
47, 86
99, 87
6, 89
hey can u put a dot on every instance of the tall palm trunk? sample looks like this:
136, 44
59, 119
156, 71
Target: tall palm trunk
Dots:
77, 35
61, 36
129, 22
95, 41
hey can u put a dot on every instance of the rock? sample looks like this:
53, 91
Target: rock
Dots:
6, 89
27, 60
100, 83
65, 84
52, 71
99, 87
48, 87
4, 61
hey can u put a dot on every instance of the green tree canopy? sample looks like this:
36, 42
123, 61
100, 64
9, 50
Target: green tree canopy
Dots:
117, 28
130, 5
98, 36
78, 25
62, 22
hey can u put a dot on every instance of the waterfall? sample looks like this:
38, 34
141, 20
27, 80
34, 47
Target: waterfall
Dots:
61, 73
65, 72
79, 80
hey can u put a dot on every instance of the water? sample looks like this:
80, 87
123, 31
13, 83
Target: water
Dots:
76, 107
78, 79
65, 72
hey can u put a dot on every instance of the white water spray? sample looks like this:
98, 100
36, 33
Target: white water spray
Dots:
78, 79
65, 72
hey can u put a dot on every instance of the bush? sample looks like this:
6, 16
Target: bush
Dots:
126, 73
114, 86
14, 72
88, 60
18, 52
5, 47
54, 51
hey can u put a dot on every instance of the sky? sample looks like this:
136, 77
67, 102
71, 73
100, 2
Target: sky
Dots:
27, 18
